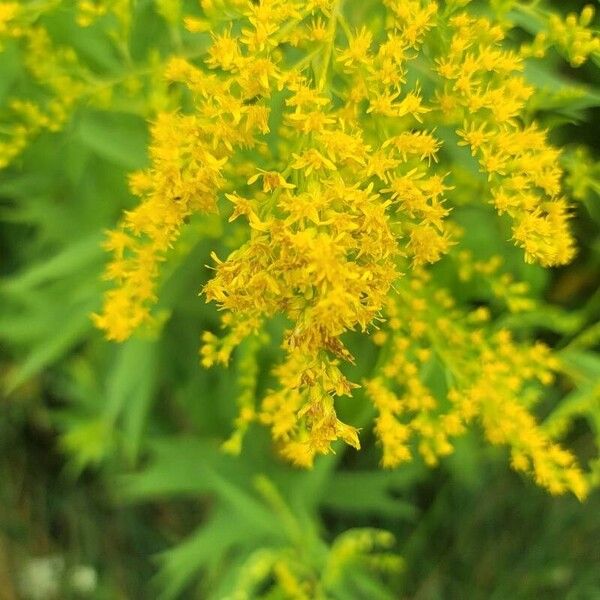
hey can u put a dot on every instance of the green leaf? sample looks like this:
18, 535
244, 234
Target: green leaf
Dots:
584, 366
547, 317
187, 466
118, 138
204, 550
69, 261
370, 492
130, 388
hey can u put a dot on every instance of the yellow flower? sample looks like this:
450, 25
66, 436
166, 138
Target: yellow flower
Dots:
271, 181
8, 12
318, 141
358, 49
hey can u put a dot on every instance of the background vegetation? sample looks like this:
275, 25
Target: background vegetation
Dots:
112, 483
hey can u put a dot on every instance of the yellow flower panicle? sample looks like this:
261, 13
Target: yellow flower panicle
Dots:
328, 144
485, 89
491, 379
571, 35
56, 69
60, 79
189, 154
301, 413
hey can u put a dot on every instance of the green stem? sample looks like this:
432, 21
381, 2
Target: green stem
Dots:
332, 29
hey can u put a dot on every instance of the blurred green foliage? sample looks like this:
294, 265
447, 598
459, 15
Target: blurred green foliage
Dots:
110, 469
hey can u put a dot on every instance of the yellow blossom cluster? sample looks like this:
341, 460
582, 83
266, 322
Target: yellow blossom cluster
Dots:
9, 20
329, 144
54, 68
489, 377
88, 11
290, 572
572, 36
485, 88
59, 79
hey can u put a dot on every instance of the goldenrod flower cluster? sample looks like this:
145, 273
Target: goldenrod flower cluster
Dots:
59, 80
489, 377
331, 142
54, 68
571, 36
